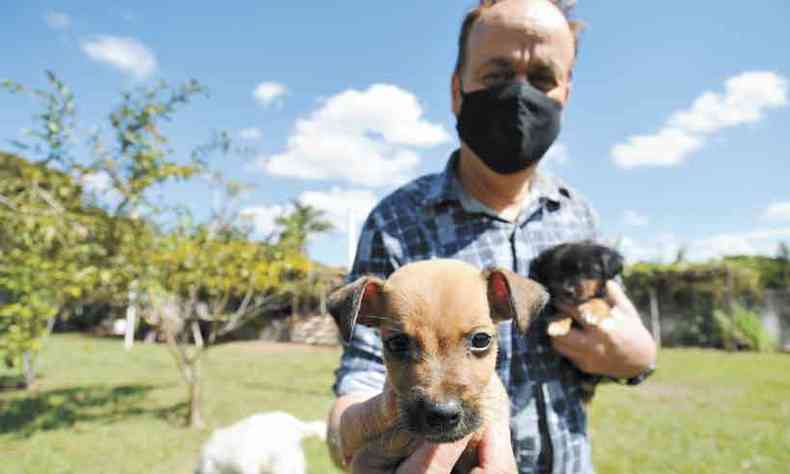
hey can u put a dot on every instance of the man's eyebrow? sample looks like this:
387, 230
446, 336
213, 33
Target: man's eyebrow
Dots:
548, 64
497, 62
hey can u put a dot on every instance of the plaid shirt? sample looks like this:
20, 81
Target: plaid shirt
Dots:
433, 217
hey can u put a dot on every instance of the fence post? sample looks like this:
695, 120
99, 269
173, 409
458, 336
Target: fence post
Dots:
131, 320
655, 317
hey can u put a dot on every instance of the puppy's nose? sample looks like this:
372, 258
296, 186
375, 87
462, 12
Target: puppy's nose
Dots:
444, 415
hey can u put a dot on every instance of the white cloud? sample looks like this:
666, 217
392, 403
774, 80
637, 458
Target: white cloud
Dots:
558, 153
746, 98
362, 137
57, 20
100, 185
251, 134
262, 218
268, 93
337, 203
779, 211
668, 147
665, 248
128, 55
662, 248
635, 219
97, 182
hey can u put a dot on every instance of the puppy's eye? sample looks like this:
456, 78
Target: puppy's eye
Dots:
397, 344
480, 341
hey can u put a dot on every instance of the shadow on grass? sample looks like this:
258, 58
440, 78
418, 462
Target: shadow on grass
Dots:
63, 408
11, 382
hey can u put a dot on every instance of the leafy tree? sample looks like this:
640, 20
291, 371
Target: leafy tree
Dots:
299, 224
57, 245
61, 246
783, 256
45, 237
211, 279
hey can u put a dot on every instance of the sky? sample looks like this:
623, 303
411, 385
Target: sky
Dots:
677, 130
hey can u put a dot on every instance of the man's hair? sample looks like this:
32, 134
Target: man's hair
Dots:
471, 18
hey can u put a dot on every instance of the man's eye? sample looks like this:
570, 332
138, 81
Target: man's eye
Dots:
543, 83
481, 341
497, 77
398, 344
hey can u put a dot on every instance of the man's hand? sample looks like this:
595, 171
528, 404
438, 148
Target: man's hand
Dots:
429, 458
620, 347
495, 452
362, 438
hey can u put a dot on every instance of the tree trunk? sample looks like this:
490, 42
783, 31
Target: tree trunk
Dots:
655, 317
29, 369
194, 395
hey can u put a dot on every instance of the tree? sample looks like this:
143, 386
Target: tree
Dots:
211, 280
45, 239
61, 245
58, 245
783, 256
299, 224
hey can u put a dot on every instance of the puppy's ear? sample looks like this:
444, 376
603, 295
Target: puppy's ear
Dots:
356, 303
612, 262
539, 267
512, 296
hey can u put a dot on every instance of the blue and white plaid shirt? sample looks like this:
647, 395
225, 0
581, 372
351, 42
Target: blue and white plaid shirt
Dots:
433, 217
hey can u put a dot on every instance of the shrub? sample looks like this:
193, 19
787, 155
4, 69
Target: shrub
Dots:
742, 330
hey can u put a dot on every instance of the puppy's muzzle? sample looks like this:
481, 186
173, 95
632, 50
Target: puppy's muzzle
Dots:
443, 422
441, 416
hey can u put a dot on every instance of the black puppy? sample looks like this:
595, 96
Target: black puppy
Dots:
575, 274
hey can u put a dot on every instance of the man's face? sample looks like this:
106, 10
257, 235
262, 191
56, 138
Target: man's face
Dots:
527, 40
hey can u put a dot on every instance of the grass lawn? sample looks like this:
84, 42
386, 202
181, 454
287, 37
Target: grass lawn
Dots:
98, 409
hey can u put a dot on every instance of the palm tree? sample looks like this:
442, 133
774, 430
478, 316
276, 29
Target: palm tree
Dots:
298, 225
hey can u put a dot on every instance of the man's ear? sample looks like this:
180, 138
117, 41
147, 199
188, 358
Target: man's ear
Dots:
359, 302
455, 91
512, 296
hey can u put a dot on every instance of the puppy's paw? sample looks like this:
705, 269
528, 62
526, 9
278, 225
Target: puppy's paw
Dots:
594, 311
559, 327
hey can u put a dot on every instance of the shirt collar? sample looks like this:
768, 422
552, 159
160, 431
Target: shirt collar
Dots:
447, 188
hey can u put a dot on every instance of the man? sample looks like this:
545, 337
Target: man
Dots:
488, 207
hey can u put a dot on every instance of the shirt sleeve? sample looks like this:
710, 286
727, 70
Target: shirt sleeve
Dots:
361, 365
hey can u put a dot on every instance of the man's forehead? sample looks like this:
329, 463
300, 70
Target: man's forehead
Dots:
526, 21
531, 14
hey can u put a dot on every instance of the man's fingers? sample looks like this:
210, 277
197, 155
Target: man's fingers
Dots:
434, 458
570, 344
572, 311
495, 452
616, 297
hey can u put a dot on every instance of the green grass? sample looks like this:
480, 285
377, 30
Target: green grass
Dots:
98, 409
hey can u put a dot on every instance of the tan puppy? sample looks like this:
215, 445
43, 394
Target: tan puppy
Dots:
437, 320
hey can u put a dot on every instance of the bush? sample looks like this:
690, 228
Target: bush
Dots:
742, 330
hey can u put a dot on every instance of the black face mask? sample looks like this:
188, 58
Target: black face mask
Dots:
510, 126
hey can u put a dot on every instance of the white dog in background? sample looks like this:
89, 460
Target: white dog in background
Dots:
266, 443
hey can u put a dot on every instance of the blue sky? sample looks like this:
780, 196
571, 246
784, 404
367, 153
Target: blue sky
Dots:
678, 129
